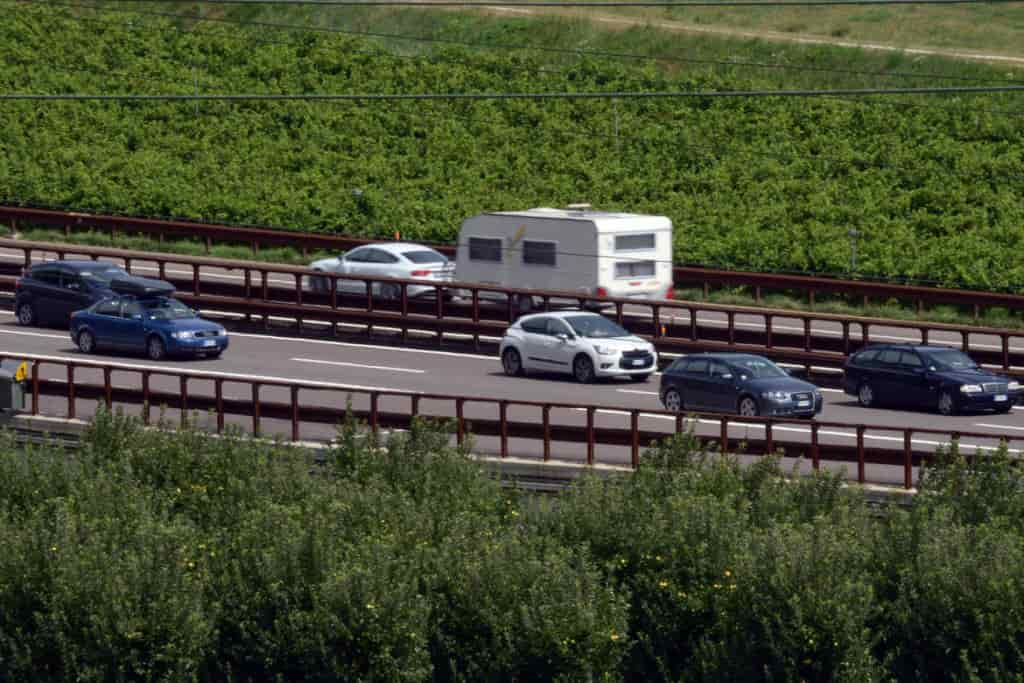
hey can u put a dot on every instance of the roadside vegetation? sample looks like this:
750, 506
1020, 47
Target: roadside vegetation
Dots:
176, 555
763, 184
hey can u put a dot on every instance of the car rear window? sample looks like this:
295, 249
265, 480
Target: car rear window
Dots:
425, 256
102, 274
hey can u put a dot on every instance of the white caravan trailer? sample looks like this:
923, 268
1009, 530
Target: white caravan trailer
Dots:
575, 249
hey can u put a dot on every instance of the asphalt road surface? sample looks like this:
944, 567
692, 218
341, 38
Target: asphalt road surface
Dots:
357, 366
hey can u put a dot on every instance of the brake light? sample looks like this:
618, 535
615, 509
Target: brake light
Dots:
601, 291
670, 293
420, 273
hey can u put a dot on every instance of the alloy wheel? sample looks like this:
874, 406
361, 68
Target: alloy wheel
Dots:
26, 314
86, 342
946, 404
748, 407
673, 401
511, 362
155, 348
583, 369
866, 395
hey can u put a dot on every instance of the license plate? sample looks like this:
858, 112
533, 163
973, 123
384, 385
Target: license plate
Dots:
209, 342
1000, 397
803, 404
637, 363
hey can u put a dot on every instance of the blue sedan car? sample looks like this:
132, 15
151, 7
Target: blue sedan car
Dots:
155, 325
737, 383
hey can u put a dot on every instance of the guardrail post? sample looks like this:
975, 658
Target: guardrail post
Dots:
374, 416
510, 309
35, 388
768, 330
815, 451
964, 340
256, 408
184, 400
71, 391
865, 332
731, 318
295, 412
503, 423
128, 264
769, 442
298, 289
860, 454
846, 337
248, 292
28, 257
195, 279
460, 427
634, 429
618, 312
810, 299
693, 324
161, 267
924, 335
107, 389
757, 294
218, 391
1005, 340
680, 424
415, 406
265, 293
807, 334
145, 397
590, 435
908, 459
656, 319
476, 319
723, 434
369, 305
546, 420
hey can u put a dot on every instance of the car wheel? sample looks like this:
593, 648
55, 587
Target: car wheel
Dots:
583, 369
26, 314
866, 395
947, 404
748, 407
155, 348
512, 363
672, 400
86, 342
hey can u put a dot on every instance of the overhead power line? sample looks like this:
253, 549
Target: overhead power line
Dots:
626, 95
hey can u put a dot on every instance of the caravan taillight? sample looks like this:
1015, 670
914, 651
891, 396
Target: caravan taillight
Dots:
670, 293
17, 285
601, 291
420, 273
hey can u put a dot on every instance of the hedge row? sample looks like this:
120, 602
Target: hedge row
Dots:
932, 186
163, 555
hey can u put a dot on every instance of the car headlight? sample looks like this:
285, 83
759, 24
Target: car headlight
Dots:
221, 332
775, 395
603, 350
1013, 386
183, 334
971, 388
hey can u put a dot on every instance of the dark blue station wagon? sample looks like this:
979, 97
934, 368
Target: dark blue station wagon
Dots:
737, 383
930, 377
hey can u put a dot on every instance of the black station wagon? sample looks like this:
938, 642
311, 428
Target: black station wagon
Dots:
932, 377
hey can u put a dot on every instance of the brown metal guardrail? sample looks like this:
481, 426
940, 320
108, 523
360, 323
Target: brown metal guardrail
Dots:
257, 237
826, 441
264, 291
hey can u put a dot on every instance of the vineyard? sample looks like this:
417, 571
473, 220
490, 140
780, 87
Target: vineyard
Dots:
931, 185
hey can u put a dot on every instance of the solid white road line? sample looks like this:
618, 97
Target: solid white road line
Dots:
992, 426
65, 337
358, 365
635, 391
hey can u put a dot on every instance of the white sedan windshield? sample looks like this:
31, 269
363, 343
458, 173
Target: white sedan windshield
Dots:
595, 327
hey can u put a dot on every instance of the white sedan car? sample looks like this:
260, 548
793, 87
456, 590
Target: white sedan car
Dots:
402, 260
585, 345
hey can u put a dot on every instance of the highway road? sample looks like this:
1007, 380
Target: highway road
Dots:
377, 366
781, 324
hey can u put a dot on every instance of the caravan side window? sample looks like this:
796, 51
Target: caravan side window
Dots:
485, 249
634, 242
540, 253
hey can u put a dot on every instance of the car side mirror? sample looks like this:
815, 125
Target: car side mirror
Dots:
562, 336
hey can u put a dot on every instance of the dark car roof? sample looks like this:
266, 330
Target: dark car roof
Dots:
725, 356
909, 347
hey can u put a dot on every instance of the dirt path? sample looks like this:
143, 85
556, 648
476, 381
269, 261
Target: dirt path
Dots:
622, 22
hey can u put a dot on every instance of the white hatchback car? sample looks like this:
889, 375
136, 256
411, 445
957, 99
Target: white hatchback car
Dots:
403, 260
585, 345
